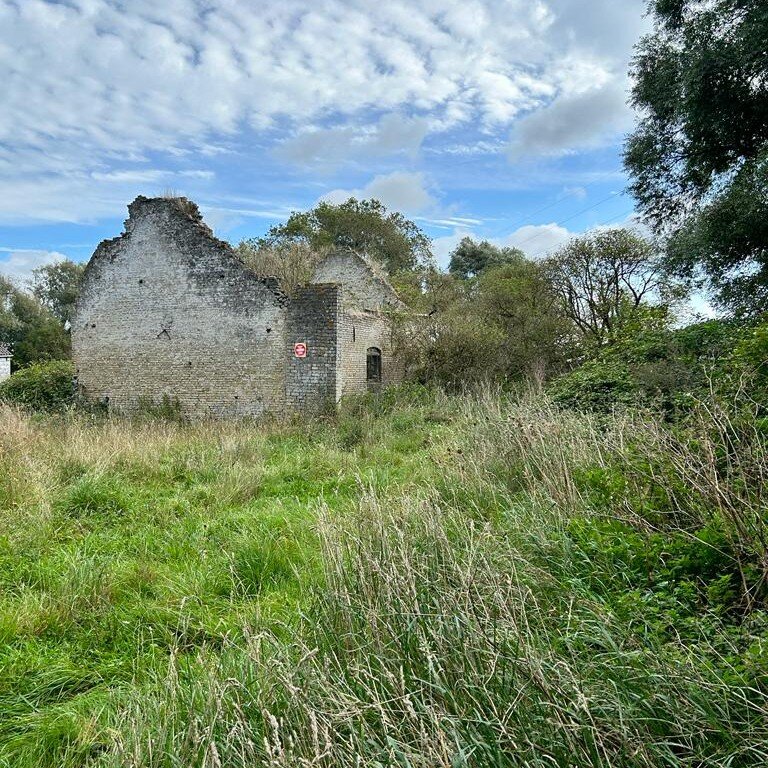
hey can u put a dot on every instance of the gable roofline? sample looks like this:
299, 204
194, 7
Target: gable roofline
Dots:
376, 271
183, 215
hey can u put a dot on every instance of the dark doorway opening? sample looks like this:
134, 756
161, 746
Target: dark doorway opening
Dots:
373, 366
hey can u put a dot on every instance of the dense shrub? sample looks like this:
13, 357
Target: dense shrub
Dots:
596, 386
42, 386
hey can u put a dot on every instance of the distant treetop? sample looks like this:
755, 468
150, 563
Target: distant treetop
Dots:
470, 258
365, 226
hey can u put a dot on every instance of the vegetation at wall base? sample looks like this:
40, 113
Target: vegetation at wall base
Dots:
423, 580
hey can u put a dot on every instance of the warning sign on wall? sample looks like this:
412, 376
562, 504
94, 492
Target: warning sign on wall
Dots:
300, 349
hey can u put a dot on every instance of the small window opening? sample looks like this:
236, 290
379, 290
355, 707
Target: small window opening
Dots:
373, 365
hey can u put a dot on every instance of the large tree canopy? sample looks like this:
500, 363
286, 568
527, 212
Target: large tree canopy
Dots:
361, 225
699, 156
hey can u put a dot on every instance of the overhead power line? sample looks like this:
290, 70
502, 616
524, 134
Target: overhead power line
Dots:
622, 215
570, 218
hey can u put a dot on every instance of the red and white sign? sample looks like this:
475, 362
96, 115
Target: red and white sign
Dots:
299, 349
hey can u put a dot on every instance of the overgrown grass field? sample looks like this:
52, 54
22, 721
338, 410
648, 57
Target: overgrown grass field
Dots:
421, 581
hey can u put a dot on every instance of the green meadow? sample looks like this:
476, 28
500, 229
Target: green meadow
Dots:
420, 580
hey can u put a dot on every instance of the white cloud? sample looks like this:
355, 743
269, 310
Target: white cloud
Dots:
17, 264
573, 122
536, 239
392, 134
400, 191
91, 85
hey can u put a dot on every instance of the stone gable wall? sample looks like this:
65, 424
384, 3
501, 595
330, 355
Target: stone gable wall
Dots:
5, 368
168, 310
363, 286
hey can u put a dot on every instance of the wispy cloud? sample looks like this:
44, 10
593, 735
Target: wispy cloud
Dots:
255, 110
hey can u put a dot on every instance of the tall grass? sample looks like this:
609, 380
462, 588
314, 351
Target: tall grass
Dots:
425, 582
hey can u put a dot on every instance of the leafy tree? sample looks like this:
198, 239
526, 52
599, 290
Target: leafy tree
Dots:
600, 279
57, 287
506, 324
33, 331
428, 291
519, 301
457, 348
470, 258
699, 155
361, 225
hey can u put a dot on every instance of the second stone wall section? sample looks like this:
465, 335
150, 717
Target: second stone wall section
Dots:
312, 320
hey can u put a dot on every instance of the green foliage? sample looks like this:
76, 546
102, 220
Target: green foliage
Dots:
672, 582
461, 349
360, 225
57, 287
504, 324
95, 498
518, 300
469, 258
698, 155
602, 278
33, 332
41, 386
425, 580
598, 385
648, 361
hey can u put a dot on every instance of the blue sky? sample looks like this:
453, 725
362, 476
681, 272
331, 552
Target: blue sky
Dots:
499, 119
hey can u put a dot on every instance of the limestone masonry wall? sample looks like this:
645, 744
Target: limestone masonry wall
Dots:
364, 287
168, 310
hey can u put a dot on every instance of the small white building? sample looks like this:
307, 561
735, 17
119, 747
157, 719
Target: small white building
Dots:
5, 361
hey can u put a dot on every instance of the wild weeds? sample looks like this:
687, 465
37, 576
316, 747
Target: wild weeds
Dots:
475, 581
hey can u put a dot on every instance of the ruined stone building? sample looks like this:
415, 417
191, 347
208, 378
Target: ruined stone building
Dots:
5, 361
170, 313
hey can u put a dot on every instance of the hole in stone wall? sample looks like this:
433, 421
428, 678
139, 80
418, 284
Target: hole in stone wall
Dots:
141, 282
353, 334
269, 330
93, 325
